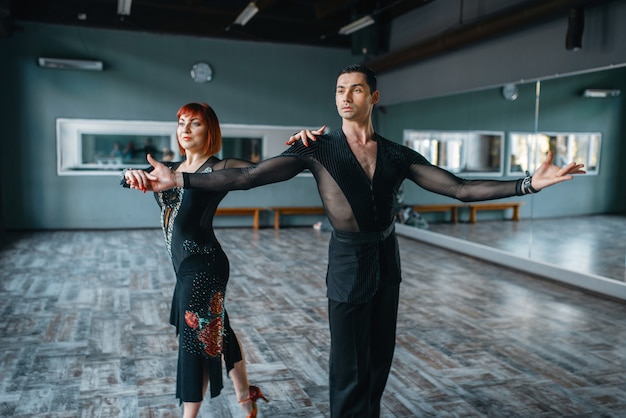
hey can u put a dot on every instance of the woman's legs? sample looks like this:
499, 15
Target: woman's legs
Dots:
239, 377
191, 409
237, 373
236, 366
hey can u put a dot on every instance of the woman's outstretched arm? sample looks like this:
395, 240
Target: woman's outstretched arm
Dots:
273, 170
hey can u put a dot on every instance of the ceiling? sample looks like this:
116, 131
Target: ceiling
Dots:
296, 22
299, 22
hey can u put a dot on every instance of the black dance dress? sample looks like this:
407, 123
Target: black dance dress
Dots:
202, 271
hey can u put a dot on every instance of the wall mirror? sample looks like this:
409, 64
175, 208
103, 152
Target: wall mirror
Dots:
88, 147
243, 148
97, 147
550, 114
528, 150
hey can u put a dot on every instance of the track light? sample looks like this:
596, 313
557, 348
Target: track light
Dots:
123, 7
70, 64
601, 93
575, 27
246, 14
358, 24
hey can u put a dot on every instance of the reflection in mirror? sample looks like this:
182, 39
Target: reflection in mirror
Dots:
529, 150
249, 149
593, 245
579, 225
462, 152
102, 151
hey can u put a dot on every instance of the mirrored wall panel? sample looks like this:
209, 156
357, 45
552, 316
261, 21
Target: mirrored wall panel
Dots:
528, 150
106, 147
578, 225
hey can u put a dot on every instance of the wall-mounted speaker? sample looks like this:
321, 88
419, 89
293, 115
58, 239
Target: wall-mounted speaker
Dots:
6, 23
575, 27
371, 41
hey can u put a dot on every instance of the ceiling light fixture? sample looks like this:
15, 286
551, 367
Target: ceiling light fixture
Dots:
246, 14
70, 64
123, 7
358, 24
601, 93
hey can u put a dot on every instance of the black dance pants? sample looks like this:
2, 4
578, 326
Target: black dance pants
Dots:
363, 338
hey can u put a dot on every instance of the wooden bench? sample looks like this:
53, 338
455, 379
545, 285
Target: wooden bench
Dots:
453, 208
239, 212
475, 207
294, 210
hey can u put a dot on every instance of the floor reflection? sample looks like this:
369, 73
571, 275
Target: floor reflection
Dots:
587, 244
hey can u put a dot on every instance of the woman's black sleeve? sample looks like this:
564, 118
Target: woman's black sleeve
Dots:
272, 170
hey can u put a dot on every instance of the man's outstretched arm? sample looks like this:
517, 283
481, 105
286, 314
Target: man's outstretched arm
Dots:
440, 181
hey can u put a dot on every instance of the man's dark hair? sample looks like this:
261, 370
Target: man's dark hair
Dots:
370, 76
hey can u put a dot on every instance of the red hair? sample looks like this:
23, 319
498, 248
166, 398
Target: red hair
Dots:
205, 112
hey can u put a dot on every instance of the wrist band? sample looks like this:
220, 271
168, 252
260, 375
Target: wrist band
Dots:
527, 186
185, 180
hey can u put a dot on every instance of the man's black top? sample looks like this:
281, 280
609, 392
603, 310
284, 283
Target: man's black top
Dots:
356, 207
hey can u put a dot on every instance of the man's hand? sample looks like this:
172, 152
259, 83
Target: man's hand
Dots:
304, 136
161, 178
136, 179
548, 174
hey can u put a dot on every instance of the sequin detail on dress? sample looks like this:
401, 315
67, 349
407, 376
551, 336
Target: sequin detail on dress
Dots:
204, 318
170, 201
192, 248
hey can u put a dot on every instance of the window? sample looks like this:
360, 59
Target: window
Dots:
105, 147
463, 152
529, 150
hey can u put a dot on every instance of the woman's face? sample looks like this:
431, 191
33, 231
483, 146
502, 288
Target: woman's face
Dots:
192, 133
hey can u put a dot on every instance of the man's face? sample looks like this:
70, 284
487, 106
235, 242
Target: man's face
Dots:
353, 97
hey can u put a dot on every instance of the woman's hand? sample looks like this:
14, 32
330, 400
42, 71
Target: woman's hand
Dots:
304, 136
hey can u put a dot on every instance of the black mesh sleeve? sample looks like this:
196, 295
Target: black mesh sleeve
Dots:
437, 180
272, 170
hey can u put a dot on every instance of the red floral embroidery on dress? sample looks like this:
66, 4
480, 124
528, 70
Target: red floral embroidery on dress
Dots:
207, 325
191, 319
217, 303
211, 337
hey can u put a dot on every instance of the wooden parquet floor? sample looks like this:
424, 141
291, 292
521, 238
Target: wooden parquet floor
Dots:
84, 331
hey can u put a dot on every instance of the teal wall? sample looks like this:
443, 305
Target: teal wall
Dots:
561, 108
146, 77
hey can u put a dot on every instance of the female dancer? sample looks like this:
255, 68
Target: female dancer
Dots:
201, 268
